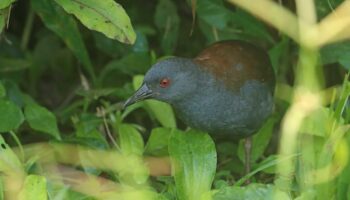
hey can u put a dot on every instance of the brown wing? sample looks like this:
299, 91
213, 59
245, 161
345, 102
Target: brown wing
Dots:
234, 62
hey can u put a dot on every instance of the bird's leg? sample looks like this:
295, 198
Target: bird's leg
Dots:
247, 152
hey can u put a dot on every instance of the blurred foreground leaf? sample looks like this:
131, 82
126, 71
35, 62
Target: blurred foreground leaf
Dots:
11, 116
105, 16
9, 162
34, 188
130, 140
193, 159
41, 119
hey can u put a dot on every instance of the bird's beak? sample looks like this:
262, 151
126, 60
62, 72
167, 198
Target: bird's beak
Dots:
141, 94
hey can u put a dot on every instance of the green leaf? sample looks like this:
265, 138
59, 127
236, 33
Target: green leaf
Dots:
65, 27
193, 159
34, 188
2, 90
162, 111
9, 162
167, 21
130, 140
250, 25
213, 12
105, 16
157, 144
41, 119
2, 189
259, 141
252, 191
338, 52
5, 3
11, 116
318, 123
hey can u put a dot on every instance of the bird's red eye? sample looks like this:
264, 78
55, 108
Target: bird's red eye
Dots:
164, 82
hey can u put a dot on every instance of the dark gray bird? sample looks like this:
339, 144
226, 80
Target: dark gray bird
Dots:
227, 89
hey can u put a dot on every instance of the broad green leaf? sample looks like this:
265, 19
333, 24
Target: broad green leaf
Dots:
250, 25
130, 140
65, 27
5, 3
259, 141
34, 188
157, 143
41, 119
105, 16
338, 52
253, 191
9, 162
11, 116
213, 12
2, 90
162, 111
167, 21
193, 159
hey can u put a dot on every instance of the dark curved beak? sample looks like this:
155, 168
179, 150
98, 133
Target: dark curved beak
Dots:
141, 94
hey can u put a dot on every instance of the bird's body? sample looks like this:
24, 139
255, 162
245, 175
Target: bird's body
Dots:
227, 89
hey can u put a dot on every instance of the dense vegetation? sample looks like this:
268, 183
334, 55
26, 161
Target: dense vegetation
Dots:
67, 66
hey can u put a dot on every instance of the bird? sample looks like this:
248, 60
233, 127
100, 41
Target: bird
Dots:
226, 90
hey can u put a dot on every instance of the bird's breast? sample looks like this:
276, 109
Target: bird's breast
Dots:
218, 111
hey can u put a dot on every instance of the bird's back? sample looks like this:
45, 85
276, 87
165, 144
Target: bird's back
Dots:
234, 62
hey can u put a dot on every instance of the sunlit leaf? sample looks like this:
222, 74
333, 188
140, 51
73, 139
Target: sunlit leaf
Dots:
34, 188
9, 162
11, 116
41, 119
105, 16
193, 158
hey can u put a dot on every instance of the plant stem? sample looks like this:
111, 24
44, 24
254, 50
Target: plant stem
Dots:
27, 30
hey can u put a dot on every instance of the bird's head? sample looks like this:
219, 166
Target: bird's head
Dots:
169, 80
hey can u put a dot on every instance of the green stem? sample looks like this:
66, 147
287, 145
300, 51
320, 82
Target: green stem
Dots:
27, 30
14, 136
